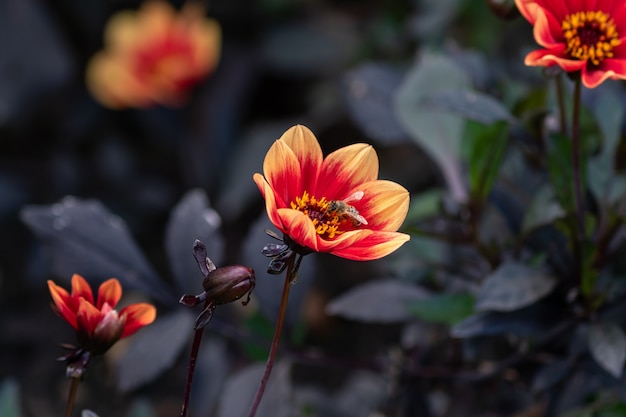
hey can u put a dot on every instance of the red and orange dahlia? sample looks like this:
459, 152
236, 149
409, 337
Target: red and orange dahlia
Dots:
154, 55
98, 325
335, 204
579, 35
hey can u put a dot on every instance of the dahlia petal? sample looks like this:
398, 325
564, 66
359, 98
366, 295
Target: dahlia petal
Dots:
281, 169
609, 68
528, 9
547, 32
109, 293
373, 246
547, 58
343, 240
271, 206
307, 150
87, 317
137, 316
81, 288
384, 205
346, 168
299, 228
64, 303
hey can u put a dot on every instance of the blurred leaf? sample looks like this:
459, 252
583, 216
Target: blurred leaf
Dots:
434, 18
237, 190
141, 408
443, 308
512, 286
88, 413
486, 150
83, 237
438, 133
424, 205
215, 363
192, 219
609, 112
154, 349
607, 344
369, 90
383, 301
550, 374
10, 399
239, 390
471, 105
613, 410
543, 209
532, 320
559, 152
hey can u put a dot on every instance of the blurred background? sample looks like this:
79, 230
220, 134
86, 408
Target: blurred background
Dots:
143, 183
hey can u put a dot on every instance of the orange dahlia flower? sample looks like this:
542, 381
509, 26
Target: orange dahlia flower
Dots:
153, 55
98, 325
334, 204
582, 35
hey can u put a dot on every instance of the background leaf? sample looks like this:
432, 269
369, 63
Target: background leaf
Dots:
192, 219
472, 105
486, 150
512, 286
443, 308
154, 349
83, 237
438, 133
369, 91
384, 301
10, 399
607, 344
559, 153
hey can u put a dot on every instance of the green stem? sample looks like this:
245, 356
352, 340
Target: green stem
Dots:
291, 271
71, 398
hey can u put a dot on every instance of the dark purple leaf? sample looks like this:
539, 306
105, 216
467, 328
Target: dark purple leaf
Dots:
154, 349
85, 238
192, 219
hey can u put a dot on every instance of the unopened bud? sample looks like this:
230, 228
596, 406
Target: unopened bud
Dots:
230, 283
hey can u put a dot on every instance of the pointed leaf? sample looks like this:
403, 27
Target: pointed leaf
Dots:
154, 349
141, 408
383, 301
487, 145
607, 344
543, 209
439, 133
192, 219
512, 286
83, 237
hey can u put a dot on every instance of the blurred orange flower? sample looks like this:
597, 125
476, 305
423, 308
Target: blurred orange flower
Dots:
334, 204
98, 325
583, 35
153, 55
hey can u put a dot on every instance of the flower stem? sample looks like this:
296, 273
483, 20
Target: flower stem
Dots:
71, 398
291, 271
193, 358
578, 191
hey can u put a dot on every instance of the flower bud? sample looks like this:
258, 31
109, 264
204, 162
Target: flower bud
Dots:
230, 283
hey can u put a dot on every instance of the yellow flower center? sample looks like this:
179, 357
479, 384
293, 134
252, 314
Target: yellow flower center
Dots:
326, 222
590, 36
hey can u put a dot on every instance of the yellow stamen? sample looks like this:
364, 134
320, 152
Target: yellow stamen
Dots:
326, 223
590, 36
